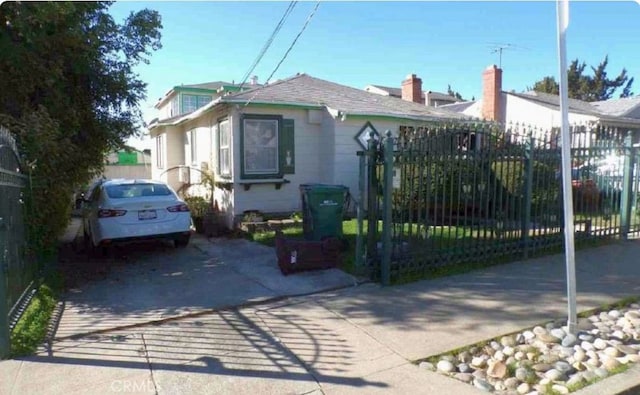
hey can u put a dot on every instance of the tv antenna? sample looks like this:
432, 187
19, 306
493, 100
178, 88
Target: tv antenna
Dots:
500, 47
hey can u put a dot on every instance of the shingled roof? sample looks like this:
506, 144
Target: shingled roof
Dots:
305, 90
625, 107
553, 101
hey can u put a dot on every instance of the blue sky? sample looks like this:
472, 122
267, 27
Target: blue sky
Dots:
360, 43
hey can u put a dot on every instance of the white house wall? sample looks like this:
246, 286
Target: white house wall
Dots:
140, 171
345, 159
173, 155
202, 128
309, 143
534, 115
328, 149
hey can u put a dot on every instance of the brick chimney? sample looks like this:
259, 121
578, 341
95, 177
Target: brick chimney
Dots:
412, 89
491, 93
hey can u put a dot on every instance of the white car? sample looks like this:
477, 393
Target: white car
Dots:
117, 211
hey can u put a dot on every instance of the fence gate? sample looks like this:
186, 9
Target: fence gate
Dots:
439, 195
16, 274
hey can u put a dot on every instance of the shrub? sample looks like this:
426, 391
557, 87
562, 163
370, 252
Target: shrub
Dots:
198, 206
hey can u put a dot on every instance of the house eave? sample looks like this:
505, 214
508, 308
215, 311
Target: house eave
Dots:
307, 106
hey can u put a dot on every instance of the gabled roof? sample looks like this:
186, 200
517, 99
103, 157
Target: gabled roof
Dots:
397, 92
305, 90
577, 106
441, 96
458, 107
625, 107
553, 101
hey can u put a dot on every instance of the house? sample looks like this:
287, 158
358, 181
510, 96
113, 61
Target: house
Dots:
407, 92
541, 111
263, 143
183, 99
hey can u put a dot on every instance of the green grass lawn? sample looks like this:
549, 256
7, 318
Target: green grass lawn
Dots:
31, 329
463, 248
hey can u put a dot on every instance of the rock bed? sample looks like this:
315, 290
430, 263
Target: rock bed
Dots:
548, 359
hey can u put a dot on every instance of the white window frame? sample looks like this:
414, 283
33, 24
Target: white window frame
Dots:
224, 147
194, 146
193, 103
160, 151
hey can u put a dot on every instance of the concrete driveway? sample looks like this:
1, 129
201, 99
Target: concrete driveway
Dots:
155, 281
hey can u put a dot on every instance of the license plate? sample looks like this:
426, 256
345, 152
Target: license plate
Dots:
147, 214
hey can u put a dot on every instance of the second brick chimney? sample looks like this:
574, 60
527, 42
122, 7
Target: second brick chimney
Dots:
412, 89
491, 93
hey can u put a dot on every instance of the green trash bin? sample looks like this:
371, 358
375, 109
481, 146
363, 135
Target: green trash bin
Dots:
322, 210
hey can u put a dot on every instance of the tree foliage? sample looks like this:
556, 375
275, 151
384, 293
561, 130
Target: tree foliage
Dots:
589, 88
69, 92
453, 93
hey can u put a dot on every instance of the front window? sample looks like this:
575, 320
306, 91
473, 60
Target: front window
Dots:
175, 109
260, 146
224, 145
193, 102
160, 151
189, 103
203, 100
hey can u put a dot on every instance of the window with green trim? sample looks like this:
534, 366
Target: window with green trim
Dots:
224, 148
267, 147
193, 102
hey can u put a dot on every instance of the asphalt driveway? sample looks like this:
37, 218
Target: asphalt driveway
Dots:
154, 281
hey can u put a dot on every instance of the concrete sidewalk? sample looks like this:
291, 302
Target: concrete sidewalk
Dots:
356, 340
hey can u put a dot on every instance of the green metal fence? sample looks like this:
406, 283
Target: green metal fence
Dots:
448, 194
16, 272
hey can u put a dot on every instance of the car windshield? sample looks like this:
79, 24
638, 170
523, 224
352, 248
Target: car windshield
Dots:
124, 191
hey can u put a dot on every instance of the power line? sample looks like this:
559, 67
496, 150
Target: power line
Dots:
293, 43
306, 23
268, 43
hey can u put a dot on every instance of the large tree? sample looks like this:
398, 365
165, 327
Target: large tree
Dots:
69, 93
589, 87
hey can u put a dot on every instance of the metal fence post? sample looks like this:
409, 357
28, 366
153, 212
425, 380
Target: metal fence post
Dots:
5, 339
528, 191
627, 185
360, 214
372, 197
387, 218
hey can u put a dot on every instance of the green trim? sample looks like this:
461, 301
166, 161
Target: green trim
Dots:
244, 117
405, 119
193, 90
287, 148
274, 105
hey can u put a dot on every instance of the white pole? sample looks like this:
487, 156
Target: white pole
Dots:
562, 12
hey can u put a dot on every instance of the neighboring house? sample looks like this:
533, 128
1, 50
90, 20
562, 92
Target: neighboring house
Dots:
541, 111
128, 163
184, 99
264, 143
411, 90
